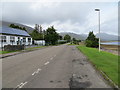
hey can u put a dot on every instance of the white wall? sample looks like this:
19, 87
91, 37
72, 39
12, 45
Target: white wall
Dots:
16, 39
39, 42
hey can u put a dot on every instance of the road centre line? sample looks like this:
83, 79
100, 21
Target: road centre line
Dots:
46, 63
21, 85
33, 73
51, 58
38, 70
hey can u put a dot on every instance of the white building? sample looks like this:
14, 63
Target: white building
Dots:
39, 42
11, 36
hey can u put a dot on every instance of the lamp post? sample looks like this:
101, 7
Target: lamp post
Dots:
98, 10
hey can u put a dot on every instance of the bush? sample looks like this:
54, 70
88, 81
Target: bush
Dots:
13, 47
91, 40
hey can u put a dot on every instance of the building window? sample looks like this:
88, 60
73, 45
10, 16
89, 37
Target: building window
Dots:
29, 39
24, 39
12, 39
18, 38
2, 38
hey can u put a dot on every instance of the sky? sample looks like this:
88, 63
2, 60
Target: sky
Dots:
66, 16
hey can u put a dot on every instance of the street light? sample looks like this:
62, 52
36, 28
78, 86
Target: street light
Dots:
98, 10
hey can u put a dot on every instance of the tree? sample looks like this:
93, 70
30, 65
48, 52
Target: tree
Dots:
36, 35
91, 40
12, 25
17, 27
73, 39
67, 37
24, 28
60, 37
51, 36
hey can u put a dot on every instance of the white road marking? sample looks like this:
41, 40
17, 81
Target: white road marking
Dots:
33, 73
38, 70
46, 63
21, 85
51, 58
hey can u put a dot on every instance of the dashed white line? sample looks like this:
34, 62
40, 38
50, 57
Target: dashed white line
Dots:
33, 73
51, 58
54, 55
46, 63
21, 84
38, 70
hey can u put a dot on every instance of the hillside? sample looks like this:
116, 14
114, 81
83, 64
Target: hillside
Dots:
107, 37
104, 36
29, 29
73, 35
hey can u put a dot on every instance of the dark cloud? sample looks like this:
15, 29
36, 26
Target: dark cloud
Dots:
48, 13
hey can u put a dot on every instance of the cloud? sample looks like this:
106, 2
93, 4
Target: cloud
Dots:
77, 17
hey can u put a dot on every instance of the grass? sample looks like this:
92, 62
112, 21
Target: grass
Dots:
27, 49
104, 61
72, 44
32, 48
5, 52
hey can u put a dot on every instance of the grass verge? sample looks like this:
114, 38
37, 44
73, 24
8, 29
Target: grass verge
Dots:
104, 61
27, 49
32, 48
72, 44
5, 52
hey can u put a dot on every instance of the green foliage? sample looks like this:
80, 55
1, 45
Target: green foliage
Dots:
17, 27
60, 37
67, 37
33, 48
91, 40
36, 35
51, 36
75, 41
62, 41
104, 61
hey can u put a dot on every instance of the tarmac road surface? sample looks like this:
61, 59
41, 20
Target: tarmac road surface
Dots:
53, 67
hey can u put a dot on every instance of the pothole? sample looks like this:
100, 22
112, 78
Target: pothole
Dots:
75, 60
77, 82
55, 81
81, 63
59, 81
51, 81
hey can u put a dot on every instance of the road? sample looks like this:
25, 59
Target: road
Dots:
52, 67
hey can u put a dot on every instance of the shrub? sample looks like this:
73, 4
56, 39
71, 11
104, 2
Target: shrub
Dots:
91, 40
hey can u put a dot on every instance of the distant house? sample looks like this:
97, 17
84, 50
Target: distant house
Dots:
11, 36
39, 42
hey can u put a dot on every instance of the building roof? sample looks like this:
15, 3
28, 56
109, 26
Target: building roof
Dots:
12, 31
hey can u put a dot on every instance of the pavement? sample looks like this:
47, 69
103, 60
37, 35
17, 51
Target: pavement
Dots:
53, 67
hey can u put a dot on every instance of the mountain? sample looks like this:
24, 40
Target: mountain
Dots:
107, 37
73, 35
5, 23
103, 36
